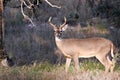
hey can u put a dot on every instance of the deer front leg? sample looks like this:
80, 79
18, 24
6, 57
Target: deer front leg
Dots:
68, 61
76, 62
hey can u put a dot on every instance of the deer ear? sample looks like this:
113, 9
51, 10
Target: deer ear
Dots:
65, 27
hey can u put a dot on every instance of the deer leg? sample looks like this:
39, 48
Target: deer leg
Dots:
112, 62
112, 67
105, 62
68, 61
76, 61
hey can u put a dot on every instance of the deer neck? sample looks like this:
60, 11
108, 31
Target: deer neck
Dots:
59, 42
58, 39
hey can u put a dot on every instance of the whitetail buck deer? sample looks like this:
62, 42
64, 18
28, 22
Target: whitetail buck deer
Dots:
100, 48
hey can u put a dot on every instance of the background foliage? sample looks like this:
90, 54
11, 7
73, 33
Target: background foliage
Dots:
86, 18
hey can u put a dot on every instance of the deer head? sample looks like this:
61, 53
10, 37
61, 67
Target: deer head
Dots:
58, 30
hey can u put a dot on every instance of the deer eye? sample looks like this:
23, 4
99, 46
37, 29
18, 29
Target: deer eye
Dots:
61, 31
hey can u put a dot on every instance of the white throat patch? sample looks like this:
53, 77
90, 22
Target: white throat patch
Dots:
58, 39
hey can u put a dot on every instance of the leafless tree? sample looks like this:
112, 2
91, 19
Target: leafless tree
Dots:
30, 6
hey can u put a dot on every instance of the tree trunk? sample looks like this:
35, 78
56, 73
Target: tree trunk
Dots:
1, 31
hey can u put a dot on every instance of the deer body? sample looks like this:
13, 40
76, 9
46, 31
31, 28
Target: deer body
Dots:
84, 47
100, 48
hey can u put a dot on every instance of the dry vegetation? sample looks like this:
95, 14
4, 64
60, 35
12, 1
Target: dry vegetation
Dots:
47, 71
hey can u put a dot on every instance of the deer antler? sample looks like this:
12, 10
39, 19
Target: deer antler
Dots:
54, 26
63, 23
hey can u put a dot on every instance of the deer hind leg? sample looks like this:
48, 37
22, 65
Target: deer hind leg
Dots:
76, 62
112, 67
104, 60
112, 62
68, 61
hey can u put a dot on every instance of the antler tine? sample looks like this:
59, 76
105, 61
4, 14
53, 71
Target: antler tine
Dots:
63, 23
51, 23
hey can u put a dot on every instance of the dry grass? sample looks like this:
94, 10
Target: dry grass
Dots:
81, 75
47, 71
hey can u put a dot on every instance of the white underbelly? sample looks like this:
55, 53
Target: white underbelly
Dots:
86, 56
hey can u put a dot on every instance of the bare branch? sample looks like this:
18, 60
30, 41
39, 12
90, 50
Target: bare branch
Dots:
52, 4
24, 15
29, 7
30, 4
37, 2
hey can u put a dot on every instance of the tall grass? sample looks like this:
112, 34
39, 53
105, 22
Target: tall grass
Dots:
47, 71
